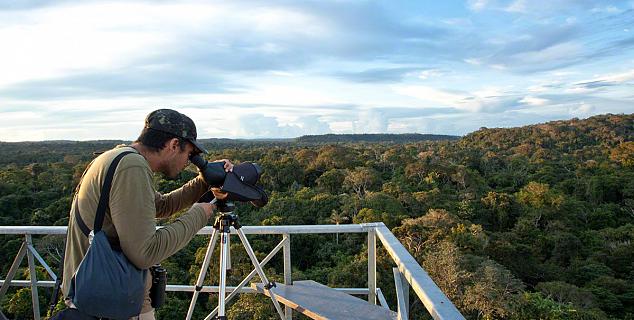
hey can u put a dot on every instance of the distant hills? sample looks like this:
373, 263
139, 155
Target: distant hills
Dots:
607, 130
26, 152
324, 138
565, 135
380, 137
338, 138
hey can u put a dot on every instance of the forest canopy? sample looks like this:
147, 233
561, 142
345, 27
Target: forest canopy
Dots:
534, 222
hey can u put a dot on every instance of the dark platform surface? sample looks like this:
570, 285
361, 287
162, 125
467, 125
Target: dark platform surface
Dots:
318, 301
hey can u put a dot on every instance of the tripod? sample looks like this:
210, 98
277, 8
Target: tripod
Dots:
222, 227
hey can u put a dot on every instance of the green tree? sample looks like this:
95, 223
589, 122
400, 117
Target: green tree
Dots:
565, 293
623, 154
444, 265
493, 292
361, 180
331, 181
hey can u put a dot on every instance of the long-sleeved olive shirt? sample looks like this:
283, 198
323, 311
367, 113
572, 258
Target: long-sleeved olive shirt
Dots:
130, 219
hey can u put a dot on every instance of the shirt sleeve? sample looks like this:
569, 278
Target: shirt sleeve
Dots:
133, 212
179, 199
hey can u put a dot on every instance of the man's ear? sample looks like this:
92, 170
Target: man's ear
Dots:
173, 144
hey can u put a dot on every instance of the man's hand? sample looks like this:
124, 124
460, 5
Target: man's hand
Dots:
219, 194
208, 207
228, 164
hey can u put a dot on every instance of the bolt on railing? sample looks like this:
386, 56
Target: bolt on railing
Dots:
407, 273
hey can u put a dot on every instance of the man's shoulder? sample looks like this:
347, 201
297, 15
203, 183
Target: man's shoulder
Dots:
133, 159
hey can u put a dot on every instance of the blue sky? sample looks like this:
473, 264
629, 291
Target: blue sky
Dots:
84, 70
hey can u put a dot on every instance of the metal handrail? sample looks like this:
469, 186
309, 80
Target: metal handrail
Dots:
411, 273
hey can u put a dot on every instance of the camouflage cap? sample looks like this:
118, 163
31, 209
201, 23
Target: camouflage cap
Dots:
173, 122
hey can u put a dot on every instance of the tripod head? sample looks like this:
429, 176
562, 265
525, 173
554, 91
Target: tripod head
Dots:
224, 206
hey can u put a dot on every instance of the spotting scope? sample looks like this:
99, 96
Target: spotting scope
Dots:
240, 184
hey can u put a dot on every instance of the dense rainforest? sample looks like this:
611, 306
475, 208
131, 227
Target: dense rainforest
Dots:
535, 222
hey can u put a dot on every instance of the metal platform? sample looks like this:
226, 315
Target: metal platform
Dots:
318, 301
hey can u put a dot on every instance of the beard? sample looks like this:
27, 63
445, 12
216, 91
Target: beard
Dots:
171, 177
170, 173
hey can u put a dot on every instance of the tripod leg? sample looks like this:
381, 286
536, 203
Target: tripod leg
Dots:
203, 272
248, 277
258, 268
228, 254
224, 253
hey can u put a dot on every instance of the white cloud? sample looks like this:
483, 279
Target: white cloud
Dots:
489, 92
370, 121
281, 73
423, 75
282, 21
50, 42
579, 90
440, 97
607, 9
602, 81
342, 126
581, 110
313, 125
486, 98
473, 61
260, 126
563, 73
58, 40
561, 51
621, 77
52, 125
517, 6
277, 94
534, 101
458, 21
547, 85
477, 5
399, 126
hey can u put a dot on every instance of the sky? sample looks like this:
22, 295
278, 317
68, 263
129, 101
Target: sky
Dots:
90, 70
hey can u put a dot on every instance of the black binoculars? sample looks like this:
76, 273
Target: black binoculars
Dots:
159, 281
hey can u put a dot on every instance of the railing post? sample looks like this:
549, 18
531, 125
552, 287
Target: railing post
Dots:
381, 297
288, 311
14, 268
372, 266
400, 295
434, 300
33, 277
405, 292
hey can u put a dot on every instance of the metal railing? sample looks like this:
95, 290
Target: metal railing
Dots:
407, 273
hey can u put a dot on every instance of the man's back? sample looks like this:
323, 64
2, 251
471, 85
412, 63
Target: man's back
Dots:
88, 198
130, 221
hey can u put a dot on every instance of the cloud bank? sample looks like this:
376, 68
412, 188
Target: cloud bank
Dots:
248, 69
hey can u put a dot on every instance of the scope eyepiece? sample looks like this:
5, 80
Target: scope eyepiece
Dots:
213, 172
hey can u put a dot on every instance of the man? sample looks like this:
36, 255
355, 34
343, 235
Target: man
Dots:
165, 145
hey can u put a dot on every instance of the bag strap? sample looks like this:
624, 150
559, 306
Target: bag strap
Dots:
104, 198
80, 222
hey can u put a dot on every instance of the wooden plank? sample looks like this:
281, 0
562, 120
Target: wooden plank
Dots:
318, 301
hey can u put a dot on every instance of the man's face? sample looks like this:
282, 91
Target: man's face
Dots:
177, 160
